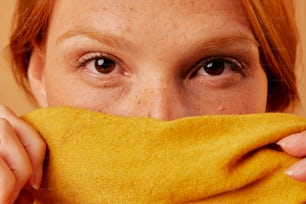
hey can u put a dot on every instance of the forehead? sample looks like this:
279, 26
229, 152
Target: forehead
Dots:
159, 6
155, 19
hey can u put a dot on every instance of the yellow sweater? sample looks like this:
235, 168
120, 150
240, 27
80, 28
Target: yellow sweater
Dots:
98, 158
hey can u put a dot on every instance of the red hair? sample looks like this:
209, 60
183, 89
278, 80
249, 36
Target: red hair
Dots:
274, 26
272, 21
30, 29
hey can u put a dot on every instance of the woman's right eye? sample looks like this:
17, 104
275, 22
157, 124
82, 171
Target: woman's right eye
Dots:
97, 63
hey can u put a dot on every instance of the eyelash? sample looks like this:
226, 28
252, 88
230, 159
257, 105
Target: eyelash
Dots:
83, 60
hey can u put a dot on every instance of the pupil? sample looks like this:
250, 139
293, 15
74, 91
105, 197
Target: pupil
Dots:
214, 68
104, 65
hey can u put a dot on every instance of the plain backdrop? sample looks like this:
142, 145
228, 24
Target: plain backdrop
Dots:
13, 96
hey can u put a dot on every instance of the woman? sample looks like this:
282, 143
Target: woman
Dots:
161, 59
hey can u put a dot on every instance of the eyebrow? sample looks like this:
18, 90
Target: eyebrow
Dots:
238, 41
104, 38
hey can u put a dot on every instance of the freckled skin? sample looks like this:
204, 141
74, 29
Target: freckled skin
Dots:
155, 74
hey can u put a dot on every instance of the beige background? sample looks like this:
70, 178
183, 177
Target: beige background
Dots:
11, 95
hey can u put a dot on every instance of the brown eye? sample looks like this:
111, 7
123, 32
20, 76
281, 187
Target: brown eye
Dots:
104, 65
217, 66
214, 67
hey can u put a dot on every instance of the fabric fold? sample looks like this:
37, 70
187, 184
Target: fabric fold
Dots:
99, 158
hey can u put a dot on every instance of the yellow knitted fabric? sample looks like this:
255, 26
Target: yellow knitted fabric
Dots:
98, 158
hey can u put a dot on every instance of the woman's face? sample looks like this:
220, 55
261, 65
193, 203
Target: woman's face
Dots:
162, 59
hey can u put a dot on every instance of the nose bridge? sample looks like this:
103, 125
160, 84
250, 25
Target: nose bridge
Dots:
160, 98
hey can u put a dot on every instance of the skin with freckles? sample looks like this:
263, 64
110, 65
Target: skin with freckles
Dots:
162, 59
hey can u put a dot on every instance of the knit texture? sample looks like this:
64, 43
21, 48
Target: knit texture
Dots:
98, 158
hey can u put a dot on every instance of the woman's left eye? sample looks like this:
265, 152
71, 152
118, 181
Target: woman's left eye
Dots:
220, 65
